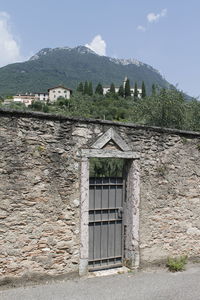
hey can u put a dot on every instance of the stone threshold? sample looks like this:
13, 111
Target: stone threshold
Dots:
108, 272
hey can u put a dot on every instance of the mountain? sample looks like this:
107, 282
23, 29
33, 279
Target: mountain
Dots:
68, 66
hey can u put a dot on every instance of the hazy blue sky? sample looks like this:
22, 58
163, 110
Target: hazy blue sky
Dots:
164, 34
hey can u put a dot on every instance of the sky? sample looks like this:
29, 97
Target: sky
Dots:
162, 33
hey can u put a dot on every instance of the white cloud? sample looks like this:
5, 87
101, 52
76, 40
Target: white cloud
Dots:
141, 28
98, 45
9, 47
152, 17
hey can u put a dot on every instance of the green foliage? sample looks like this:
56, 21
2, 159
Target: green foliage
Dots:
17, 106
112, 88
135, 96
63, 103
127, 91
41, 148
193, 115
39, 106
176, 264
86, 88
143, 90
153, 90
166, 109
162, 170
121, 91
99, 89
90, 89
106, 167
80, 87
184, 140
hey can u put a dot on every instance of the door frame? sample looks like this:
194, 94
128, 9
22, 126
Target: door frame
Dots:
131, 206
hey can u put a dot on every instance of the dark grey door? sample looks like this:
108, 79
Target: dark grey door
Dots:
106, 222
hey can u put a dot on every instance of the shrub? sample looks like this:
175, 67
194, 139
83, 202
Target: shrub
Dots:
162, 170
176, 264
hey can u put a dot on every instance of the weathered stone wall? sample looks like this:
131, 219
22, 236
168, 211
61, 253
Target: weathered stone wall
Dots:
40, 191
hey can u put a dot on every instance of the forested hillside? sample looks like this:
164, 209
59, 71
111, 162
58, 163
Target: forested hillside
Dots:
68, 66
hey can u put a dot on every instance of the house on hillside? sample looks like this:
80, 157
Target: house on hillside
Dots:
59, 91
107, 89
51, 96
41, 97
26, 99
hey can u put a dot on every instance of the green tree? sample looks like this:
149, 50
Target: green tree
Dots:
193, 115
127, 90
143, 90
121, 91
99, 89
86, 88
90, 89
166, 109
112, 89
80, 87
135, 95
37, 105
153, 90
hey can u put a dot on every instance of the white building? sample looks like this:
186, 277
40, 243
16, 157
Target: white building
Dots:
52, 95
107, 89
59, 91
26, 99
41, 97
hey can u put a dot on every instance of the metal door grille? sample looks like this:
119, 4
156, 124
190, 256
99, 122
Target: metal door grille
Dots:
105, 222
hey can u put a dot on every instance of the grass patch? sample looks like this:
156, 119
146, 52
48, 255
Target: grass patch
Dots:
162, 170
176, 264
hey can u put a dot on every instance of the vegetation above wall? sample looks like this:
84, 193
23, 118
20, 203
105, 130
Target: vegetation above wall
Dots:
166, 108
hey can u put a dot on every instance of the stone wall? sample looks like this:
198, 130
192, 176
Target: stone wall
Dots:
40, 191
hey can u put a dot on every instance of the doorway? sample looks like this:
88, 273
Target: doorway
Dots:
109, 205
106, 201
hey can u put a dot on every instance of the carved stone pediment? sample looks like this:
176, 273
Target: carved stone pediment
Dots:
111, 140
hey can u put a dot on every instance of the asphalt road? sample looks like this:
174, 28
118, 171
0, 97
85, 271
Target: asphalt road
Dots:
144, 285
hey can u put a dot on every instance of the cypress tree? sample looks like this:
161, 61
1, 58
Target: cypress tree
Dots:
143, 90
121, 91
90, 89
135, 95
85, 90
112, 88
153, 90
127, 91
80, 87
99, 89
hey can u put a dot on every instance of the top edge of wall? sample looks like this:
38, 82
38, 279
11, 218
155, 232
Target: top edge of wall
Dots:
57, 117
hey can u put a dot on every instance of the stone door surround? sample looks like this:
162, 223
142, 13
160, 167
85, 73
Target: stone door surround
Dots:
121, 149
